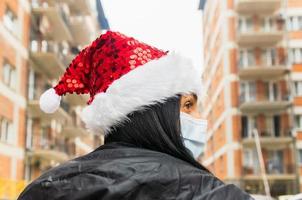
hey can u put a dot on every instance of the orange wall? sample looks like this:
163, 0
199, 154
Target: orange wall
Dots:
6, 107
294, 3
5, 169
238, 163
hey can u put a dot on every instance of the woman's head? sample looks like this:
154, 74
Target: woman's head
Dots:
157, 128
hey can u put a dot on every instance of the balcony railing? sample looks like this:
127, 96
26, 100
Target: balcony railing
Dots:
271, 168
265, 62
268, 133
262, 97
257, 6
280, 139
262, 37
46, 152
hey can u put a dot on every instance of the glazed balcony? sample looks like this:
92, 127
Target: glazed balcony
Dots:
257, 6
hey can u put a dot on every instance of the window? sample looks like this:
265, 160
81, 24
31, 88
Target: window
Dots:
295, 55
275, 162
267, 24
300, 22
269, 57
9, 75
294, 23
247, 91
248, 158
10, 20
271, 90
298, 88
277, 125
246, 58
245, 24
300, 156
248, 124
298, 121
6, 130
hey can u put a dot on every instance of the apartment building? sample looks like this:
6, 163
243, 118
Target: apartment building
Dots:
14, 41
59, 29
38, 40
294, 29
251, 71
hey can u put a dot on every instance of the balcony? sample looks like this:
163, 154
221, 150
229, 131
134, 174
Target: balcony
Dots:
274, 172
267, 102
49, 149
47, 58
268, 141
75, 128
264, 106
76, 100
257, 6
259, 38
83, 7
262, 72
74, 131
61, 114
51, 22
47, 156
83, 29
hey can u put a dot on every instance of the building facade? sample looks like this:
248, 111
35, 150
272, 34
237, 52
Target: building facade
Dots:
251, 74
38, 40
14, 42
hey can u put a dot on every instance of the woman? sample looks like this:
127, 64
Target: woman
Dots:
145, 101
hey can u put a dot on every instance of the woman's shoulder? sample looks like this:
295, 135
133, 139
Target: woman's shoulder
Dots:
127, 173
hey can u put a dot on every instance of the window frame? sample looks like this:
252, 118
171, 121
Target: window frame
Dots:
9, 75
300, 157
7, 135
10, 20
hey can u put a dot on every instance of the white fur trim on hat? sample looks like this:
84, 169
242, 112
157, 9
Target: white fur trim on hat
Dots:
146, 85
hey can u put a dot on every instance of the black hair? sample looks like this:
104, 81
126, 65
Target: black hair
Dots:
156, 127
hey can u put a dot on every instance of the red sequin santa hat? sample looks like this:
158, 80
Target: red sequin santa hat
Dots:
122, 75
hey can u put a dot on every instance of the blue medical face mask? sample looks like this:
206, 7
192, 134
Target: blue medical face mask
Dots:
194, 133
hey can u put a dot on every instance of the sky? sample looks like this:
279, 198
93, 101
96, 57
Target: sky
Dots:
174, 25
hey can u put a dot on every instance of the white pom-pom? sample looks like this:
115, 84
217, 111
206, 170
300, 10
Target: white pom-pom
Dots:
50, 101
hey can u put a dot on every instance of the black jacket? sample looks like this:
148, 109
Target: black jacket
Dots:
118, 171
